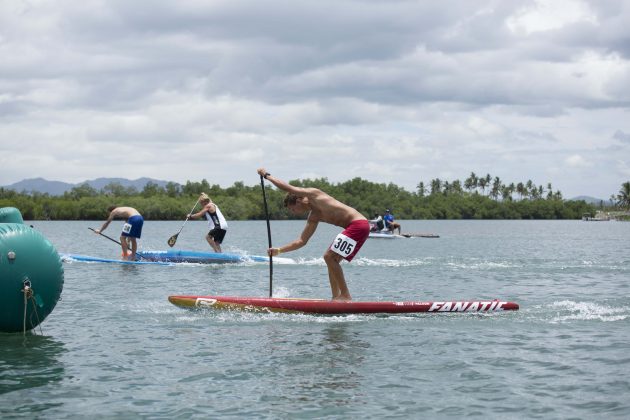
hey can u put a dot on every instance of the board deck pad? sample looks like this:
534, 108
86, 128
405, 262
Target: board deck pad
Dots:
321, 306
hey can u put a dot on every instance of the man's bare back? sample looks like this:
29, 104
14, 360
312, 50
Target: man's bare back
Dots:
326, 209
124, 212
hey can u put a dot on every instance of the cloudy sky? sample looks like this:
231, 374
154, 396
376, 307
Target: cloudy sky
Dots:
390, 91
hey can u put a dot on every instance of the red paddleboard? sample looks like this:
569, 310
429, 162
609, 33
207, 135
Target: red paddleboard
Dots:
321, 306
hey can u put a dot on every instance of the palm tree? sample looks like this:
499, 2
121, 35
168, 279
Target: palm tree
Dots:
624, 195
446, 190
471, 182
456, 187
613, 200
436, 186
528, 187
421, 189
496, 188
520, 190
482, 184
534, 193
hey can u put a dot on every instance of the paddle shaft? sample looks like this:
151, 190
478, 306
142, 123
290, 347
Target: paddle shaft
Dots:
173, 238
105, 236
262, 185
111, 239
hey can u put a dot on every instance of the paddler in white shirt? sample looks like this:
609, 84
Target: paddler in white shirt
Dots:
216, 222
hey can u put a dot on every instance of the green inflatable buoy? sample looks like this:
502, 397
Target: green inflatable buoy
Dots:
31, 274
10, 215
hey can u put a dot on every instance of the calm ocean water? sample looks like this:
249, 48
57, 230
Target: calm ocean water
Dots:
114, 347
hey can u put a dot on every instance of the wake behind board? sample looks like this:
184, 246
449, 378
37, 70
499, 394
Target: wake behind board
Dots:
389, 235
330, 307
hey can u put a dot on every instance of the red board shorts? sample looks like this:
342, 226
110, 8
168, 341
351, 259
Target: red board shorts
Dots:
350, 241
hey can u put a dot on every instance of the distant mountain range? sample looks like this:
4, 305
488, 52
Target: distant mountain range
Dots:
42, 185
590, 200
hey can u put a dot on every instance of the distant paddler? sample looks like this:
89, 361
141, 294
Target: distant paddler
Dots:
216, 222
321, 207
390, 224
132, 229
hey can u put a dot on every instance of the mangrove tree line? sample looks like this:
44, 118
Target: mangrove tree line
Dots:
478, 197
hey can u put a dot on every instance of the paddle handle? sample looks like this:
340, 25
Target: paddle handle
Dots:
262, 185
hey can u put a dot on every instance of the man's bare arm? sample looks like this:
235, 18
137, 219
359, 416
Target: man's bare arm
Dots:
210, 207
285, 186
309, 229
107, 222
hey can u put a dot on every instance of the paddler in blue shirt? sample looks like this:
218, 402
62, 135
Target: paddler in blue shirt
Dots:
323, 208
131, 230
389, 222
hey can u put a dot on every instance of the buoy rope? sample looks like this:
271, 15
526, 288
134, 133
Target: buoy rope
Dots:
29, 296
26, 290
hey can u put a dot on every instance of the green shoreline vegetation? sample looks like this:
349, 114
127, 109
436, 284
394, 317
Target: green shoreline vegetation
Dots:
475, 198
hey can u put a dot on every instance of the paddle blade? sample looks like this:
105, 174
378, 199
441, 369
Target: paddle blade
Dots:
172, 240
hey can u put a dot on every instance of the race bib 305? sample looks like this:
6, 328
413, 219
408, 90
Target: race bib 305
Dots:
343, 245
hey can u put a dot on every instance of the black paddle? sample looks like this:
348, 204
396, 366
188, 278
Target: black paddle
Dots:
102, 234
262, 185
173, 239
112, 239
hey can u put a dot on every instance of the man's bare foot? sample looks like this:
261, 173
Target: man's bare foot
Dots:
342, 298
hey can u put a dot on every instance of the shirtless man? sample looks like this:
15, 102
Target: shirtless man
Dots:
323, 208
131, 230
216, 221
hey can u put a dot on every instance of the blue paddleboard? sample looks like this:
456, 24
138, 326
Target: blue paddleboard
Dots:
178, 256
87, 258
171, 257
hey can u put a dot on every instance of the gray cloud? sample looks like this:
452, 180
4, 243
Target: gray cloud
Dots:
508, 88
621, 136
